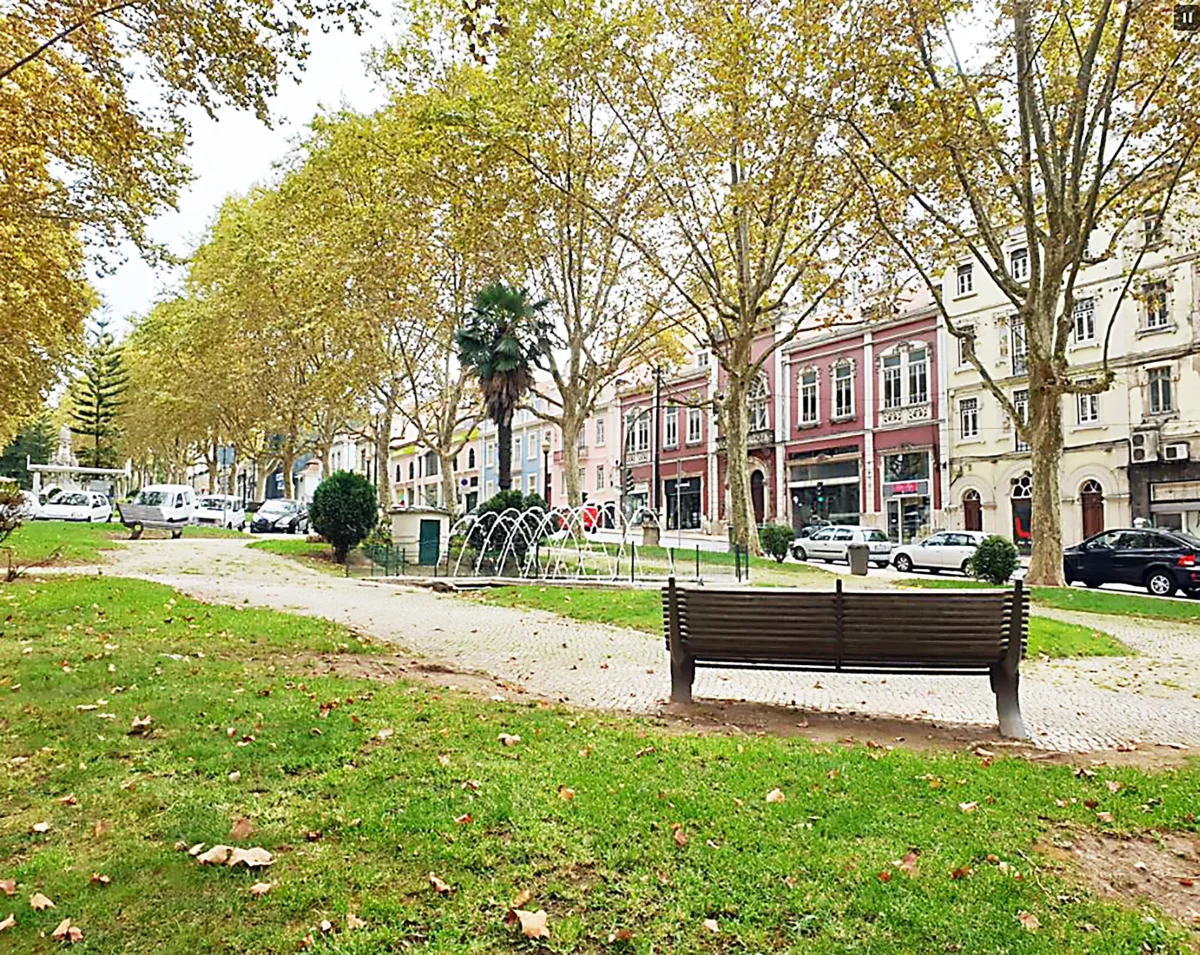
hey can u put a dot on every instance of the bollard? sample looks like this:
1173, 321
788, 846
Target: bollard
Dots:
747, 565
632, 560
697, 562
737, 562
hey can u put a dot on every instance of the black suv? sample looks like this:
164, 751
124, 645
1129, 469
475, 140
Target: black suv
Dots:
1161, 561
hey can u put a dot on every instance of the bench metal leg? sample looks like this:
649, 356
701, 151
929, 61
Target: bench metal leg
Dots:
683, 675
1008, 703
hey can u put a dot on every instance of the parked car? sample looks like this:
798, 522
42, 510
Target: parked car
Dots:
831, 543
31, 507
811, 528
88, 506
1159, 560
176, 501
947, 550
280, 516
220, 510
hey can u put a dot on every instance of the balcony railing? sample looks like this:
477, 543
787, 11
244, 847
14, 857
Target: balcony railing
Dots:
759, 438
559, 455
634, 458
907, 414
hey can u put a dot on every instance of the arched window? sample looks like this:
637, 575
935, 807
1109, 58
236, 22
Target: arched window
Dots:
1022, 487
470, 459
412, 470
760, 401
1022, 511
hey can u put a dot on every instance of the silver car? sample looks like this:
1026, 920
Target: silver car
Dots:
946, 550
831, 543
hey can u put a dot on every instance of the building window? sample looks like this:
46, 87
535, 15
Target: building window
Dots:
581, 438
1158, 381
1020, 400
966, 342
1085, 320
491, 488
470, 459
491, 454
599, 477
968, 418
1087, 407
1152, 228
671, 425
1155, 296
843, 391
694, 418
531, 484
531, 446
582, 478
1019, 346
908, 466
760, 401
918, 377
808, 398
966, 280
702, 359
398, 477
1020, 264
638, 437
893, 396
431, 464
599, 430
412, 470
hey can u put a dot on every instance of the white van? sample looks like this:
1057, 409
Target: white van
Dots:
222, 510
176, 502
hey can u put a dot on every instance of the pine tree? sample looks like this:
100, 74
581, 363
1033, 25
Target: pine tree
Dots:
96, 399
34, 442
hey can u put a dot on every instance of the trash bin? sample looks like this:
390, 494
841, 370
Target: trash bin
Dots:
858, 554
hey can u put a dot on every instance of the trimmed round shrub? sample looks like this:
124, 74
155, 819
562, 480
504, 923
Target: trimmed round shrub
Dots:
776, 540
343, 511
995, 560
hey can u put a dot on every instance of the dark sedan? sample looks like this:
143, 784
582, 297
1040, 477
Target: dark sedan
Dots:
1161, 561
280, 516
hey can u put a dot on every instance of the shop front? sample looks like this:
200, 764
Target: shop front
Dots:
1175, 505
683, 497
825, 487
907, 495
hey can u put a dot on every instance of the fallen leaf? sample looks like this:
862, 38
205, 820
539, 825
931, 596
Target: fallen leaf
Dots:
984, 753
712, 926
644, 752
440, 887
1187, 883
66, 932
533, 924
8, 886
40, 827
8, 922
217, 855
1113, 786
1029, 921
738, 802
885, 876
1082, 773
139, 725
100, 878
37, 902
234, 776
194, 850
69, 800
507, 740
775, 795
251, 858
522, 898
384, 733
566, 793
472, 784
326, 926
968, 806
306, 942
992, 859
962, 872
260, 888
1104, 817
1091, 803
353, 922
241, 829
465, 819
444, 759
681, 838
620, 935
99, 828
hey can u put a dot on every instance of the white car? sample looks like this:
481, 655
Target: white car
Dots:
177, 502
77, 506
946, 550
221, 510
831, 543
31, 507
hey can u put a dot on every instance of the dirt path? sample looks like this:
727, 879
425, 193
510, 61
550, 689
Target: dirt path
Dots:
1093, 704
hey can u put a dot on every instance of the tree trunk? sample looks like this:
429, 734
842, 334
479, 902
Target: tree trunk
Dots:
260, 483
326, 453
383, 468
570, 459
449, 484
504, 453
212, 463
1046, 445
735, 421
289, 466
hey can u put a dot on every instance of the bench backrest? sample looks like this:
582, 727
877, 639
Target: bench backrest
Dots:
140, 512
964, 630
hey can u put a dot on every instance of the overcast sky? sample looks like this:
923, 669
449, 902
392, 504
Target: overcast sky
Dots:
236, 151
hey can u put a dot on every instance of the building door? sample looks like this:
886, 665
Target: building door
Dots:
429, 545
972, 512
1091, 498
758, 495
1022, 512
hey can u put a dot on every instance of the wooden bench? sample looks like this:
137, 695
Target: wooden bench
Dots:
944, 632
137, 517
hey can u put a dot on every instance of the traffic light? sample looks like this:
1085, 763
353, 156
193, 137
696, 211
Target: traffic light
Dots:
820, 493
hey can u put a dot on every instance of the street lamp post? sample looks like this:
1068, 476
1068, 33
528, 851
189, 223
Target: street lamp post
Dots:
546, 468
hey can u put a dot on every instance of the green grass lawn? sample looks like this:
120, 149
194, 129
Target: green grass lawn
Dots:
1111, 602
361, 790
83, 543
642, 610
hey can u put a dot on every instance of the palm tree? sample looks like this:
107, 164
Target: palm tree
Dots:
503, 339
